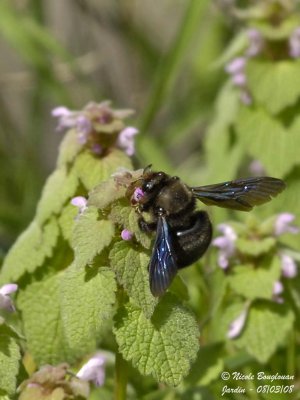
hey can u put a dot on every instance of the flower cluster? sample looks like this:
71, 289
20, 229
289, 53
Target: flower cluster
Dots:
98, 127
236, 67
229, 253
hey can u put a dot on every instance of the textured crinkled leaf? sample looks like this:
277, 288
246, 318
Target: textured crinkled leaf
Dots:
131, 267
125, 215
67, 220
30, 250
255, 247
87, 299
208, 365
91, 169
40, 306
69, 148
90, 236
105, 193
266, 329
9, 361
274, 85
164, 345
253, 283
58, 189
275, 146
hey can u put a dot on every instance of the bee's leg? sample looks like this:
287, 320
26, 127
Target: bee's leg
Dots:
191, 243
146, 226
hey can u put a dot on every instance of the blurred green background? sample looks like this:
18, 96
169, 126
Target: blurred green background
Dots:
158, 59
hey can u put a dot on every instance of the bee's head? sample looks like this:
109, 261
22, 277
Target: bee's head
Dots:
152, 181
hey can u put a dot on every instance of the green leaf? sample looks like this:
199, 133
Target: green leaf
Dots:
255, 247
30, 250
91, 170
266, 329
164, 346
87, 299
274, 145
90, 236
274, 85
253, 283
208, 366
131, 267
105, 193
69, 148
66, 220
59, 188
125, 215
40, 306
9, 361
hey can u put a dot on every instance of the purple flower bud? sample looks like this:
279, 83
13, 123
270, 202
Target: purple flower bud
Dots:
80, 202
282, 224
5, 301
288, 266
294, 43
126, 234
236, 66
256, 168
226, 244
61, 111
126, 140
277, 288
237, 325
138, 194
239, 79
93, 370
256, 42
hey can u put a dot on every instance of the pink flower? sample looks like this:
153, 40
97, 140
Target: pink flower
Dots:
81, 203
282, 224
277, 290
126, 140
256, 167
73, 119
138, 194
256, 42
93, 370
126, 234
288, 266
236, 66
294, 43
6, 302
237, 325
226, 244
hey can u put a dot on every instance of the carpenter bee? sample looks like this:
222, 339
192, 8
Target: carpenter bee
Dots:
182, 233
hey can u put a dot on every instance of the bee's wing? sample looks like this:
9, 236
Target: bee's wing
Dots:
163, 266
241, 194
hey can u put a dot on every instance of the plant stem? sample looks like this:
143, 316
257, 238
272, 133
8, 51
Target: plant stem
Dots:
121, 376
